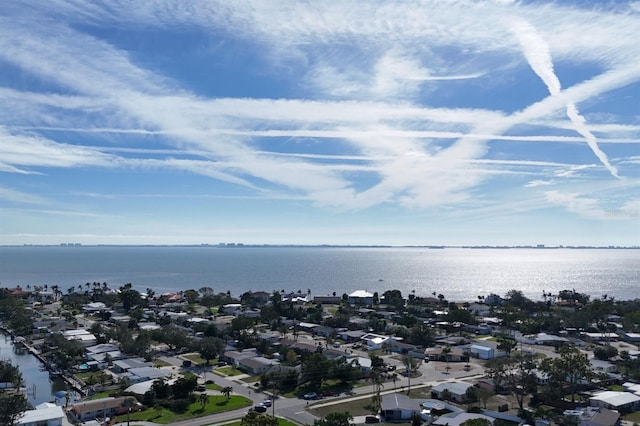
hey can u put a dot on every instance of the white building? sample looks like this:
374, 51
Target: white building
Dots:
361, 297
45, 414
615, 400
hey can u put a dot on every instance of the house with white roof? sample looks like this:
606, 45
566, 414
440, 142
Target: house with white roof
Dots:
456, 419
83, 336
613, 400
361, 297
375, 341
45, 414
457, 390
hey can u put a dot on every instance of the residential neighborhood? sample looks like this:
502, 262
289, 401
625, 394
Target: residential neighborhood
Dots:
211, 357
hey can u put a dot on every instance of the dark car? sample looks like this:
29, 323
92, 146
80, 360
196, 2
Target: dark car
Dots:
260, 409
371, 419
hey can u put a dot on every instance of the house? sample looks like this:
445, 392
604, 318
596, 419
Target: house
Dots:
375, 342
83, 336
351, 336
613, 400
440, 354
542, 339
593, 416
234, 357
631, 337
456, 419
256, 365
397, 407
45, 414
327, 300
143, 374
362, 362
601, 366
124, 365
600, 337
360, 298
457, 390
94, 307
400, 347
103, 407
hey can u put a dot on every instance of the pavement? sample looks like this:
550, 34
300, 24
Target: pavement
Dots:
296, 410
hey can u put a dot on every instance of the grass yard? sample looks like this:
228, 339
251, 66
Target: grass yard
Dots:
213, 386
104, 394
160, 363
216, 404
227, 371
196, 359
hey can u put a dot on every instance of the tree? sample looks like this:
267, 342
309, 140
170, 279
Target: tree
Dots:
12, 402
570, 368
605, 352
210, 347
516, 374
506, 345
226, 391
129, 297
334, 419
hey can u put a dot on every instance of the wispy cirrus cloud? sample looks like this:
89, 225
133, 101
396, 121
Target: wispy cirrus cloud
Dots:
351, 106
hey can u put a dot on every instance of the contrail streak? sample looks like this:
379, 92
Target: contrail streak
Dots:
537, 52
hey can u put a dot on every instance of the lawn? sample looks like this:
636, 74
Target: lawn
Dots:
104, 394
213, 386
632, 417
227, 371
160, 363
216, 404
196, 359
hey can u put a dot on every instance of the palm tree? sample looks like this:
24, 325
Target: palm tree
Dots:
446, 351
203, 398
128, 403
226, 391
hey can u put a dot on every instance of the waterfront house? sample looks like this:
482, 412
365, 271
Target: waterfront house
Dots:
83, 336
330, 300
361, 298
45, 414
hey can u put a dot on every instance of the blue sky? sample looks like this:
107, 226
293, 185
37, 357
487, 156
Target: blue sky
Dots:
320, 122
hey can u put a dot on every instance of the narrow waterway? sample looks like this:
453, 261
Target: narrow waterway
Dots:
39, 387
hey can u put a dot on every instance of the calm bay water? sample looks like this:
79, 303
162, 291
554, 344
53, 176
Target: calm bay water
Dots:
39, 387
459, 274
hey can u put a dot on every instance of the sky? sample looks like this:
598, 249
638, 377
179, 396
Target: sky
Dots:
393, 122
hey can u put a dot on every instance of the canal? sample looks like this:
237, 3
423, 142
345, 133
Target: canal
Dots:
39, 387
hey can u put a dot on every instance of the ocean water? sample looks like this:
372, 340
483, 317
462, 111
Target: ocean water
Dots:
457, 273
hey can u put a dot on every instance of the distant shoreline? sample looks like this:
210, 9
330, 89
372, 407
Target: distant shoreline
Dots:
241, 245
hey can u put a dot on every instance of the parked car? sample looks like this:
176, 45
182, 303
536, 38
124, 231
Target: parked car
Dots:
201, 388
310, 395
371, 419
260, 409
